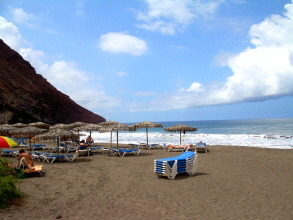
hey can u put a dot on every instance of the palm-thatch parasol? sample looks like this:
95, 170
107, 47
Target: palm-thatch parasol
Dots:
29, 132
6, 129
106, 128
40, 125
76, 124
146, 125
115, 127
180, 128
57, 133
19, 125
59, 126
88, 127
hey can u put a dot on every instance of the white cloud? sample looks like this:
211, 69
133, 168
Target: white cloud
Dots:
93, 99
9, 34
20, 16
195, 87
114, 42
169, 16
223, 58
259, 73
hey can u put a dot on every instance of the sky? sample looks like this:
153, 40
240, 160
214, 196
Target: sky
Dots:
160, 60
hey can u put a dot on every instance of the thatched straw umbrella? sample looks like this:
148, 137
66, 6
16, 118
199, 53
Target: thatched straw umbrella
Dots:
6, 129
146, 125
57, 133
106, 128
59, 126
19, 125
39, 125
29, 132
76, 124
88, 127
115, 127
180, 128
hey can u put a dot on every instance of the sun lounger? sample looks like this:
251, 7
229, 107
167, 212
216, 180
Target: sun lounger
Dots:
66, 149
39, 146
106, 150
22, 142
51, 158
28, 169
142, 145
170, 167
63, 157
96, 149
201, 147
115, 151
83, 151
40, 156
38, 169
8, 152
150, 146
181, 148
123, 152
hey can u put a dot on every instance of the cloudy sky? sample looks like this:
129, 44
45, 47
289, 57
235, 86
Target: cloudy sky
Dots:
160, 60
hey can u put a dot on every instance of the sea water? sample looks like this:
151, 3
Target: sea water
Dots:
264, 133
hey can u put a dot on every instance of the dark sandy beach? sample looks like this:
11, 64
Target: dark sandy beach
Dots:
230, 183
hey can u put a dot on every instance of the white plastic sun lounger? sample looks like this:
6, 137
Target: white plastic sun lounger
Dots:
170, 167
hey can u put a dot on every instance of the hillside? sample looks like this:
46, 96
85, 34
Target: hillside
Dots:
26, 96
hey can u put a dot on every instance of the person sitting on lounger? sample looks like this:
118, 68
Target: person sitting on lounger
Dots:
29, 163
82, 145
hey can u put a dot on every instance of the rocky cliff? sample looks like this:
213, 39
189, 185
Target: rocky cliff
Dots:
26, 96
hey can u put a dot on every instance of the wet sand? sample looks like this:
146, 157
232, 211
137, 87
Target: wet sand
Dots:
230, 183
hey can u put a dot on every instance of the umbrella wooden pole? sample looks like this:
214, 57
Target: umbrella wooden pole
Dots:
58, 143
90, 139
146, 129
117, 139
111, 140
30, 141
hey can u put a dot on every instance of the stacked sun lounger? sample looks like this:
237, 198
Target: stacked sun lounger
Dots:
170, 167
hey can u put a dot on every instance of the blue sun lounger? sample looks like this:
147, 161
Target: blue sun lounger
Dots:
170, 167
8, 152
123, 152
50, 158
63, 157
38, 146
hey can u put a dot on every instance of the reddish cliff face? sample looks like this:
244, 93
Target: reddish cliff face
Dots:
26, 96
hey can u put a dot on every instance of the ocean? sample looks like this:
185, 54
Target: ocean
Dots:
264, 133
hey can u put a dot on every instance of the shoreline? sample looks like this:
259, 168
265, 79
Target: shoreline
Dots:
230, 183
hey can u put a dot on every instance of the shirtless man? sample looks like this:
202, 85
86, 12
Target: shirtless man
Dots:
28, 159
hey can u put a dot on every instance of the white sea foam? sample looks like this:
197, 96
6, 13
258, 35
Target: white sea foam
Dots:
262, 141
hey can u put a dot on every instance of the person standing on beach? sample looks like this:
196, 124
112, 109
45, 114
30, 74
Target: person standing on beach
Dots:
89, 140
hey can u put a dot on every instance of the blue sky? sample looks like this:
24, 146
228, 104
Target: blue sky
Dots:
160, 60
